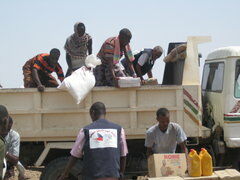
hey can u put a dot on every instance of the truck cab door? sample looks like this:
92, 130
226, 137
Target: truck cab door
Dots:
212, 93
232, 105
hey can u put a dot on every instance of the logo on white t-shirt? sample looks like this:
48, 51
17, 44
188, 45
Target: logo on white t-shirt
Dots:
103, 138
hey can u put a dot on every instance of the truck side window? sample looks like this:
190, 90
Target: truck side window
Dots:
205, 76
237, 80
213, 77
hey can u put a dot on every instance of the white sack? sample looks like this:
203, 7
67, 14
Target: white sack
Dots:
79, 84
92, 61
81, 81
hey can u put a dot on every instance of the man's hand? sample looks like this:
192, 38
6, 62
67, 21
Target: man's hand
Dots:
134, 75
149, 152
116, 82
72, 160
121, 176
143, 82
62, 177
11, 158
41, 88
23, 177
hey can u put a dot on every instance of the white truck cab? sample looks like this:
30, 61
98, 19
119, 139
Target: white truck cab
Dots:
221, 93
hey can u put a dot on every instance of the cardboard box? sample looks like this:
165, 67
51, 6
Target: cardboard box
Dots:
167, 165
167, 178
160, 178
213, 177
125, 82
222, 174
235, 175
228, 174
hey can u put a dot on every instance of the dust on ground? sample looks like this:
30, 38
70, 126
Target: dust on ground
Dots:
33, 173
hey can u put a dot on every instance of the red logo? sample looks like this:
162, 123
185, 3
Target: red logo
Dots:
100, 137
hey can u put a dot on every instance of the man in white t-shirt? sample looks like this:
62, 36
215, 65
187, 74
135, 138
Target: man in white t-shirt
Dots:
164, 136
12, 153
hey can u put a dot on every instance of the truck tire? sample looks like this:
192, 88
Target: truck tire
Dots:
54, 169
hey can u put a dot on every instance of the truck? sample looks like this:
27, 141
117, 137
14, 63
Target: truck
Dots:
48, 122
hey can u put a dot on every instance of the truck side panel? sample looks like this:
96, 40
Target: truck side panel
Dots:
54, 116
192, 110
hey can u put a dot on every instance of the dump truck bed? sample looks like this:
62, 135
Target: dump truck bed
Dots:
54, 116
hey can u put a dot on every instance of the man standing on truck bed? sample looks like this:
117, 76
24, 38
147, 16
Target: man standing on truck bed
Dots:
143, 62
104, 146
4, 120
37, 71
164, 136
77, 47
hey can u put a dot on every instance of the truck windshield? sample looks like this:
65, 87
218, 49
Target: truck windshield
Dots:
213, 77
237, 80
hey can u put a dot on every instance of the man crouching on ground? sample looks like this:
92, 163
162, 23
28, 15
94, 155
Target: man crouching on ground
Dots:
12, 153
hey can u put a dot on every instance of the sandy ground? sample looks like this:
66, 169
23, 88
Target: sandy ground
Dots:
31, 172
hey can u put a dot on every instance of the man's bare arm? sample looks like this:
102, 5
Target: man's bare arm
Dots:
122, 165
149, 151
71, 162
37, 80
150, 75
139, 71
130, 64
89, 46
11, 158
184, 148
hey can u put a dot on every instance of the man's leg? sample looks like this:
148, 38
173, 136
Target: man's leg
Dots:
109, 77
127, 70
100, 75
118, 73
52, 82
21, 170
10, 171
28, 80
47, 80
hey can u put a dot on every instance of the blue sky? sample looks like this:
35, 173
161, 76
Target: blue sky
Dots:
32, 27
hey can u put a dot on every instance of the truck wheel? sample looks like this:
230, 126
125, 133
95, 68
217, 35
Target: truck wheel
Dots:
54, 169
213, 155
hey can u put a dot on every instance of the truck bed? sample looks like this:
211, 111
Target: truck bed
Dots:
54, 116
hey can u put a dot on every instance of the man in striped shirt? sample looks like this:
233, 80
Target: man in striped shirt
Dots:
37, 71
